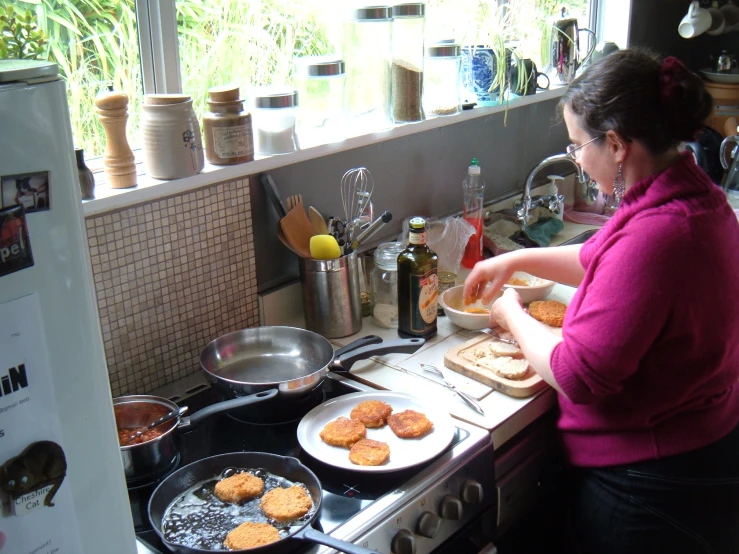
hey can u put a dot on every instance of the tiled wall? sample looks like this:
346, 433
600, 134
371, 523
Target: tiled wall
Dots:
170, 276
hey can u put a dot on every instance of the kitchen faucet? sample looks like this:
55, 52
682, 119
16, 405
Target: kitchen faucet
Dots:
526, 204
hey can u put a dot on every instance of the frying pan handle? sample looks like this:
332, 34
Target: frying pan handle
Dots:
189, 422
345, 362
359, 343
310, 534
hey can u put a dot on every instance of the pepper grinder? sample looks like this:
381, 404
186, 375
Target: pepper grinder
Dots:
112, 109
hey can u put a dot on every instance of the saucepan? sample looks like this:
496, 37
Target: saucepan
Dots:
285, 467
291, 361
158, 453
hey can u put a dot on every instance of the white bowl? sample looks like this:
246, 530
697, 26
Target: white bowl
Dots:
537, 289
452, 302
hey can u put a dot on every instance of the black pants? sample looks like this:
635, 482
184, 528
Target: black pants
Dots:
687, 503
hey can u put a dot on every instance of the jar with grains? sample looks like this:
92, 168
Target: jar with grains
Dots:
171, 139
441, 80
407, 62
366, 45
385, 284
275, 120
228, 130
320, 81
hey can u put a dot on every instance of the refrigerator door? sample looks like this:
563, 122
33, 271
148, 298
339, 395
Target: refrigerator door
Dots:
37, 169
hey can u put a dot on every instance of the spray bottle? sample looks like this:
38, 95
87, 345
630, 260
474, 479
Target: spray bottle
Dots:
474, 192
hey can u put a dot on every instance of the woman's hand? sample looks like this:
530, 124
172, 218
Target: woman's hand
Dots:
504, 306
495, 271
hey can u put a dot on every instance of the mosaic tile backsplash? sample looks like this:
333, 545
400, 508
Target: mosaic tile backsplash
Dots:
170, 276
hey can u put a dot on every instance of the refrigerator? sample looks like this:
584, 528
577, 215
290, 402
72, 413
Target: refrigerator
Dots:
62, 484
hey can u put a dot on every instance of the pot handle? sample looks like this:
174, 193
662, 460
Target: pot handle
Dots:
359, 343
310, 534
344, 363
225, 406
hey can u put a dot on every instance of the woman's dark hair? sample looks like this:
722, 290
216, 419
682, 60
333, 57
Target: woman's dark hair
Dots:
631, 92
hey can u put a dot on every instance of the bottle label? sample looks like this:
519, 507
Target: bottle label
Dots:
233, 142
424, 299
416, 238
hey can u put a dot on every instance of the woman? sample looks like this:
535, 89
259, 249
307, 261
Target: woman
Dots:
647, 367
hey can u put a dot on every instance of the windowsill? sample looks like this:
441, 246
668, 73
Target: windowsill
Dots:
150, 189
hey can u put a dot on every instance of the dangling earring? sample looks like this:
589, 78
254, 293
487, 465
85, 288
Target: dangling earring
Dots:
619, 185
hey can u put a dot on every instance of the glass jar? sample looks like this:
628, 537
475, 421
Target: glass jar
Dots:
385, 284
227, 126
320, 81
275, 118
366, 46
441, 80
407, 62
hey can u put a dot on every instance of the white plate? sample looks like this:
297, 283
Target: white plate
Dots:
726, 78
403, 452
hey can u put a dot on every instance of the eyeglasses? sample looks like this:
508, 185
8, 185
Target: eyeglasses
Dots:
574, 151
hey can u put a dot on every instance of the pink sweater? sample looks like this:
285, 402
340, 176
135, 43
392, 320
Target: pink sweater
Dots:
650, 356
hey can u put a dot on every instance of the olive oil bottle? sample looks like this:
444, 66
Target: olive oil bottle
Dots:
418, 284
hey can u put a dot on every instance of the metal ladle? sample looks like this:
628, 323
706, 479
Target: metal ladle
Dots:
164, 419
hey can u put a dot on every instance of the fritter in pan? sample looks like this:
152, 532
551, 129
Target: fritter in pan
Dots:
343, 432
286, 504
368, 452
409, 424
373, 413
251, 535
239, 488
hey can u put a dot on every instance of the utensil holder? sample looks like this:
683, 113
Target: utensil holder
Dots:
331, 300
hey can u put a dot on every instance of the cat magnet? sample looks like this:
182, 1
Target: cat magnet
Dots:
33, 478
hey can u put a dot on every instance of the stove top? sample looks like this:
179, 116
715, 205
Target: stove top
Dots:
273, 428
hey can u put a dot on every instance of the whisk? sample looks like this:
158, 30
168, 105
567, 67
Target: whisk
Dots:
356, 193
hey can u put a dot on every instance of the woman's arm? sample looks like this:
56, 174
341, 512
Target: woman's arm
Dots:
560, 264
535, 340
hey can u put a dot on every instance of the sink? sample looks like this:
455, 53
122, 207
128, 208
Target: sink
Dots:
582, 237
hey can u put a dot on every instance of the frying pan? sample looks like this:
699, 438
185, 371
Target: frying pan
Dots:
293, 361
284, 466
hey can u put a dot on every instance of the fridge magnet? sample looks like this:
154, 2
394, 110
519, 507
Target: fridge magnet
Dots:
15, 245
30, 190
33, 478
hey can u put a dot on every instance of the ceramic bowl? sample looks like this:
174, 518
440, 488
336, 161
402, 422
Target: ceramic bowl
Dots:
535, 289
452, 302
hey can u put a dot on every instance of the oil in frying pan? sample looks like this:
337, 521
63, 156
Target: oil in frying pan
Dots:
197, 518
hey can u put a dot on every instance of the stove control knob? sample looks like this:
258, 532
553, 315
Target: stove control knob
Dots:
451, 508
472, 492
403, 542
428, 524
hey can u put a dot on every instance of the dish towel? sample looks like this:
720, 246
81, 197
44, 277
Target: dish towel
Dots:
543, 230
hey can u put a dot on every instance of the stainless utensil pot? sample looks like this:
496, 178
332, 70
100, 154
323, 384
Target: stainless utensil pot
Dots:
287, 359
157, 455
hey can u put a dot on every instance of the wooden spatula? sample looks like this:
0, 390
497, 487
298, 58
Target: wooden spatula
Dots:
298, 231
317, 223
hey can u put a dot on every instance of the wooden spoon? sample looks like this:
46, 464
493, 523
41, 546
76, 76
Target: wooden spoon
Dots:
298, 231
317, 223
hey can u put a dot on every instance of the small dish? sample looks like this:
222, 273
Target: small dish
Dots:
453, 303
534, 289
725, 78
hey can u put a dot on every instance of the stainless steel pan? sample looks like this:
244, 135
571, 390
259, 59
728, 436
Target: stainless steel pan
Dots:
293, 361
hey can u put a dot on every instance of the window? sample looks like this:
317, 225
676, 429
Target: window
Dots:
146, 46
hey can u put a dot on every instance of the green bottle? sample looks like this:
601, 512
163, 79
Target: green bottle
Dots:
418, 284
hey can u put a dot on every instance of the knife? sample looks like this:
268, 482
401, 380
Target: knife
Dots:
496, 336
471, 402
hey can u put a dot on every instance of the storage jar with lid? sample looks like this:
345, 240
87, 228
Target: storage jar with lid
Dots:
228, 129
407, 62
441, 80
384, 279
366, 45
275, 118
171, 140
320, 81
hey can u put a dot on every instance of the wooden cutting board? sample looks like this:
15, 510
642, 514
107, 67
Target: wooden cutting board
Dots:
463, 360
